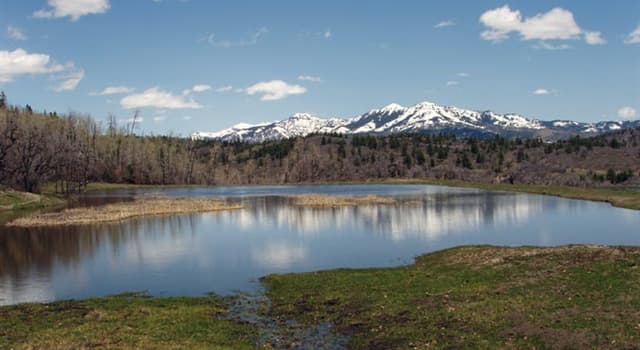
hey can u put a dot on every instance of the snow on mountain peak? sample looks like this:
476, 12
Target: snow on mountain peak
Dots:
424, 117
392, 107
242, 126
302, 116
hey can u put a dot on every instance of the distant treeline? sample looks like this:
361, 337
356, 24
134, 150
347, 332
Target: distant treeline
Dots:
70, 151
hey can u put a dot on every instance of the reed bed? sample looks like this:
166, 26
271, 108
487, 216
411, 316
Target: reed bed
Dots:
326, 201
144, 206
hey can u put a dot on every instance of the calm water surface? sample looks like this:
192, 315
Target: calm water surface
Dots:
228, 251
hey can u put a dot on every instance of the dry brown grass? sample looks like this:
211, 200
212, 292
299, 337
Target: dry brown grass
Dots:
323, 201
479, 256
125, 210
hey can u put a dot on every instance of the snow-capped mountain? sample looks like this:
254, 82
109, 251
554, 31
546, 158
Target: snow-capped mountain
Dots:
299, 124
425, 117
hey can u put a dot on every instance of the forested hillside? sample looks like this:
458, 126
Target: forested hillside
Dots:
73, 150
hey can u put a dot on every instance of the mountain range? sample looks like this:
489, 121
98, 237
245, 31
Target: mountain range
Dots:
425, 117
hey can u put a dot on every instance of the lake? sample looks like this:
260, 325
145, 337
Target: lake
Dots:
226, 252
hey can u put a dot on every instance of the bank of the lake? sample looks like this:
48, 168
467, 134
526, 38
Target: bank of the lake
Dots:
123, 322
466, 297
622, 197
618, 196
16, 204
153, 206
11, 200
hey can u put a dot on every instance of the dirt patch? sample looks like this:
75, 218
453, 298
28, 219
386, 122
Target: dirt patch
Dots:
553, 338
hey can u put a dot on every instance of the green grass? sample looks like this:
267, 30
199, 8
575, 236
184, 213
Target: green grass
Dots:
123, 322
476, 298
16, 204
50, 188
16, 200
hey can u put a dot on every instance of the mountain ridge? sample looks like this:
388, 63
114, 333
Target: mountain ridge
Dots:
424, 117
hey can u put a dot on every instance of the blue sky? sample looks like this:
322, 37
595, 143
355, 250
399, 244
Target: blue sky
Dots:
190, 65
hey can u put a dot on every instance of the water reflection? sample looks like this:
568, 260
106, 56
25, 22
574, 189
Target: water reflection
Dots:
226, 251
427, 217
279, 254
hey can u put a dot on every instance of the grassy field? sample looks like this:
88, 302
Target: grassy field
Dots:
477, 298
123, 322
15, 200
15, 204
124, 210
49, 188
481, 297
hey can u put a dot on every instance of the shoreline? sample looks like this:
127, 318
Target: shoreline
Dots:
462, 297
123, 211
11, 200
620, 197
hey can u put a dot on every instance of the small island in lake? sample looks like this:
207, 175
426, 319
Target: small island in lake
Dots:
124, 210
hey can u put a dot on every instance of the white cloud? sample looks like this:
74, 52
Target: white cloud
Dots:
627, 113
452, 83
309, 78
70, 80
279, 254
227, 88
196, 88
501, 22
20, 62
16, 33
113, 90
213, 40
201, 88
72, 8
633, 37
462, 75
557, 24
156, 98
443, 24
327, 34
275, 90
187, 117
548, 46
594, 38
541, 92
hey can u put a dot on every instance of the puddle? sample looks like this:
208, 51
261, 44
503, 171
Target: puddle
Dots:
279, 334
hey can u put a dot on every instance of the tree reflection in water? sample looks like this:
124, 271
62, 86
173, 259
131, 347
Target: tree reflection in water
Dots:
222, 252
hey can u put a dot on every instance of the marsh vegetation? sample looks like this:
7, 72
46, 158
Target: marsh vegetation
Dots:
145, 206
323, 201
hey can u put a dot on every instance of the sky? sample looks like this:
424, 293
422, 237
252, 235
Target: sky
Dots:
200, 65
